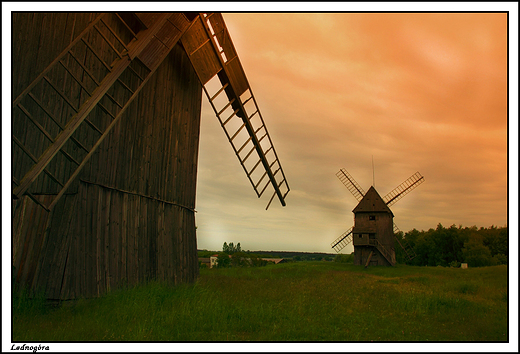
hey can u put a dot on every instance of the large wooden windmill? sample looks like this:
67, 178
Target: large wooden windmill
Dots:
105, 131
373, 233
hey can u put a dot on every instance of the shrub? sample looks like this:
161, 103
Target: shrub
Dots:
258, 262
455, 264
223, 260
500, 259
476, 254
240, 259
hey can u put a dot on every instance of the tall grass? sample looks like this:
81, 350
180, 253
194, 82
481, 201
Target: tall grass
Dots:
306, 301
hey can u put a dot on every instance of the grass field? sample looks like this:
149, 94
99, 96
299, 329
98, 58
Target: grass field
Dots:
301, 301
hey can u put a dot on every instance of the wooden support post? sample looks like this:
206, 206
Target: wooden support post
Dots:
369, 258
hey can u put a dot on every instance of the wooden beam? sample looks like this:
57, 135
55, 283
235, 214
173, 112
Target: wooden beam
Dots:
79, 117
369, 258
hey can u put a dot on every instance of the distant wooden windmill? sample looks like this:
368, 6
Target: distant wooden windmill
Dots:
373, 233
105, 133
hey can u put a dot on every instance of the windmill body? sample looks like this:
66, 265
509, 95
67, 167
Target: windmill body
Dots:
105, 137
373, 233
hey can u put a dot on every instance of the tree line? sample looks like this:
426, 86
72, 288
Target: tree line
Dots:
478, 247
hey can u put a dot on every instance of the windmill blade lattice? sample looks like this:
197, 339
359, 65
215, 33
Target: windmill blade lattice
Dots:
215, 60
403, 189
342, 241
351, 184
405, 245
94, 80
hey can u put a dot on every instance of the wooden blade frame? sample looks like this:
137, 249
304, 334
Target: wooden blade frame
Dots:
342, 241
215, 60
408, 250
147, 49
403, 189
351, 184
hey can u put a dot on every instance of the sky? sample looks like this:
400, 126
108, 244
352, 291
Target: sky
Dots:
411, 92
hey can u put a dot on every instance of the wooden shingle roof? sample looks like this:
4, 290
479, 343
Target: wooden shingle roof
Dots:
372, 202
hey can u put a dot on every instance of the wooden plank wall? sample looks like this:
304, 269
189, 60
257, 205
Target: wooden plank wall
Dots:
131, 217
32, 53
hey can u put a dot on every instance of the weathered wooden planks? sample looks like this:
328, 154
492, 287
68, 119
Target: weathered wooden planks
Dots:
200, 49
130, 218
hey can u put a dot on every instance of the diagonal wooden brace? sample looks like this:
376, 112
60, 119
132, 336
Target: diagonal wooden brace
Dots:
87, 107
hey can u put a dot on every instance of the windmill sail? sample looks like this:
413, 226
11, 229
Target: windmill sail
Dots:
407, 248
107, 56
342, 241
403, 189
215, 60
351, 184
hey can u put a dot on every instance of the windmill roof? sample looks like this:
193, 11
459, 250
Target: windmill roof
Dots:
372, 202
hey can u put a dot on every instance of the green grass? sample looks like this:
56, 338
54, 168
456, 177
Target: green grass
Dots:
303, 301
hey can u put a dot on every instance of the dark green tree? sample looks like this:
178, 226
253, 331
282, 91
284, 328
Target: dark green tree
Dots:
476, 254
223, 260
240, 259
231, 248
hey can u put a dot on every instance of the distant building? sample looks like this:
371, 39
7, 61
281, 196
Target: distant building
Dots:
213, 261
206, 261
275, 260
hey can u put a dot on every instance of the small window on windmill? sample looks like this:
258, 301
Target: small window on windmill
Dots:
372, 236
372, 217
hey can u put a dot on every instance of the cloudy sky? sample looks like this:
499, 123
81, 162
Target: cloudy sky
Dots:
414, 92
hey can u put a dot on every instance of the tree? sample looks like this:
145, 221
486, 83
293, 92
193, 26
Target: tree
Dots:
450, 246
231, 248
496, 240
476, 254
239, 259
223, 260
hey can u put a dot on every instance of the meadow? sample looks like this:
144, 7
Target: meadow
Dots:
299, 301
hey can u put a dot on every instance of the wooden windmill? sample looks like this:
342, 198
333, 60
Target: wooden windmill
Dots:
105, 131
373, 233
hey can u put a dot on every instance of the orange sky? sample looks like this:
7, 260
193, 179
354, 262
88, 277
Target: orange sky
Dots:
420, 92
